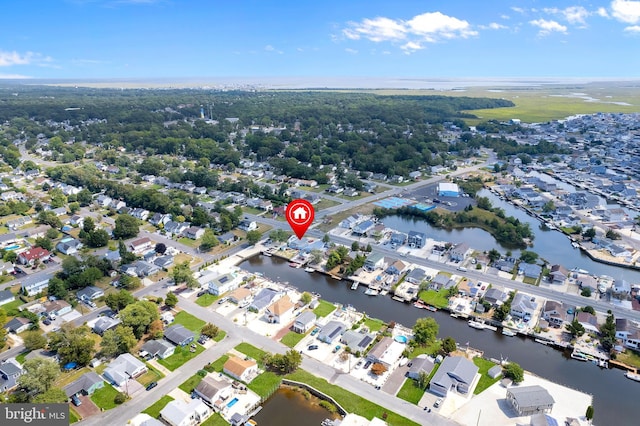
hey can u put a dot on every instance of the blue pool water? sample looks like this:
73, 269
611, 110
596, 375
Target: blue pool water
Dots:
12, 247
401, 339
232, 402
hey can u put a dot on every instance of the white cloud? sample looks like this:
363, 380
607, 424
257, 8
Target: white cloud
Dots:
493, 26
377, 29
352, 51
633, 29
13, 76
602, 12
547, 27
411, 46
505, 16
575, 15
518, 10
436, 24
270, 48
8, 59
626, 10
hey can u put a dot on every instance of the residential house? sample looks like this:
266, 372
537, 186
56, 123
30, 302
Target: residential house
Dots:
113, 256
105, 323
363, 227
139, 268
331, 331
117, 205
628, 333
220, 284
90, 293
211, 390
417, 239
398, 238
356, 341
179, 335
6, 296
419, 365
139, 213
158, 218
374, 261
248, 225
33, 288
193, 232
304, 322
559, 274
588, 321
621, 288
416, 276
227, 238
10, 370
528, 400
6, 267
241, 369
103, 200
17, 325
163, 262
86, 384
555, 313
180, 413
280, 311
69, 246
523, 306
396, 268
76, 220
505, 265
264, 298
175, 228
455, 373
240, 296
459, 252
29, 257
15, 224
441, 281
386, 352
529, 270
160, 349
60, 211
140, 245
123, 368
57, 308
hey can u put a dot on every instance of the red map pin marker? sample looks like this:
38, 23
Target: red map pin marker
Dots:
300, 216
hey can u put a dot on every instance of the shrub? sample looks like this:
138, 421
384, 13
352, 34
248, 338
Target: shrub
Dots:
328, 406
120, 398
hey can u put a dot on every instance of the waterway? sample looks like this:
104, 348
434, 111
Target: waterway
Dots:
554, 246
614, 395
286, 407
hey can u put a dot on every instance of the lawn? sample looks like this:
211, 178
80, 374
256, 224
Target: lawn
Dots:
206, 299
431, 349
217, 365
73, 416
180, 356
292, 338
104, 397
215, 420
221, 334
251, 351
188, 242
325, 204
189, 321
154, 410
152, 375
373, 324
11, 308
324, 308
485, 381
410, 391
191, 383
349, 401
629, 357
67, 377
265, 384
22, 356
439, 299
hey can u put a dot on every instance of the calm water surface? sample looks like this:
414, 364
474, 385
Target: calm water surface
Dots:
287, 407
615, 397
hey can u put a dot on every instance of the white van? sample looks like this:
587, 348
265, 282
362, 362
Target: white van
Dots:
462, 269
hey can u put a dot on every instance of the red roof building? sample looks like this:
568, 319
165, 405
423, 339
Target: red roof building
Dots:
30, 256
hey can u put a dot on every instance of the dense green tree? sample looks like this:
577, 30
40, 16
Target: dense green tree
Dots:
210, 330
209, 240
119, 300
52, 233
589, 413
493, 255
39, 375
425, 331
117, 341
171, 300
127, 226
514, 372
98, 238
589, 234
52, 395
34, 340
44, 242
139, 315
589, 309
253, 236
128, 282
527, 256
73, 344
448, 345
279, 235
57, 288
182, 274
575, 328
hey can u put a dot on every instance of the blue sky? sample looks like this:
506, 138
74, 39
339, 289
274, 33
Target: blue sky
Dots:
95, 39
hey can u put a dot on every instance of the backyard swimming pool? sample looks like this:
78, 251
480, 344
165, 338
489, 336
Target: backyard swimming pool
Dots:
232, 402
401, 339
12, 247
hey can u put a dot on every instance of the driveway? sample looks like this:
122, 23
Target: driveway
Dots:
87, 408
132, 388
395, 380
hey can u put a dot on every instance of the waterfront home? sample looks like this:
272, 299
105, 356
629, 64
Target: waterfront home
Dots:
588, 321
34, 287
351, 221
10, 370
530, 270
331, 331
241, 369
441, 281
123, 368
264, 298
454, 374
420, 364
227, 238
304, 322
523, 306
459, 252
505, 265
219, 284
386, 352
356, 341
618, 251
240, 295
211, 390
363, 227
180, 413
374, 261
416, 239
528, 400
559, 274
33, 255
396, 267
279, 311
157, 349
86, 384
179, 335
416, 276
398, 238
89, 293
6, 296
105, 323
140, 245
17, 325
628, 333
621, 288
555, 313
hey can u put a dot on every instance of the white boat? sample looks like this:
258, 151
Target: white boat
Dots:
309, 269
355, 285
371, 292
633, 376
477, 324
579, 356
575, 245
508, 332
580, 271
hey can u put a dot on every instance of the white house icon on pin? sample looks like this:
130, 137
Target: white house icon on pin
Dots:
300, 213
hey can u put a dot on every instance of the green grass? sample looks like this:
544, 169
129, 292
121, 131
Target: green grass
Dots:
251, 351
73, 416
180, 356
430, 349
530, 281
265, 384
70, 376
22, 356
189, 321
349, 401
217, 365
373, 324
104, 397
188, 242
11, 308
439, 299
215, 420
152, 375
154, 410
629, 357
221, 334
325, 204
324, 308
206, 299
292, 338
410, 391
485, 381
191, 383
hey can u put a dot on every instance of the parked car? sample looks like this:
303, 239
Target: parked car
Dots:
367, 364
151, 385
203, 339
202, 293
312, 347
76, 401
438, 402
244, 304
315, 331
47, 321
221, 301
336, 349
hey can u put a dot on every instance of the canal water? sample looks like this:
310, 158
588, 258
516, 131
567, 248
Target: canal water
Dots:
614, 395
287, 407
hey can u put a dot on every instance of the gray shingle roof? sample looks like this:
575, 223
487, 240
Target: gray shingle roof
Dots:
82, 384
531, 396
